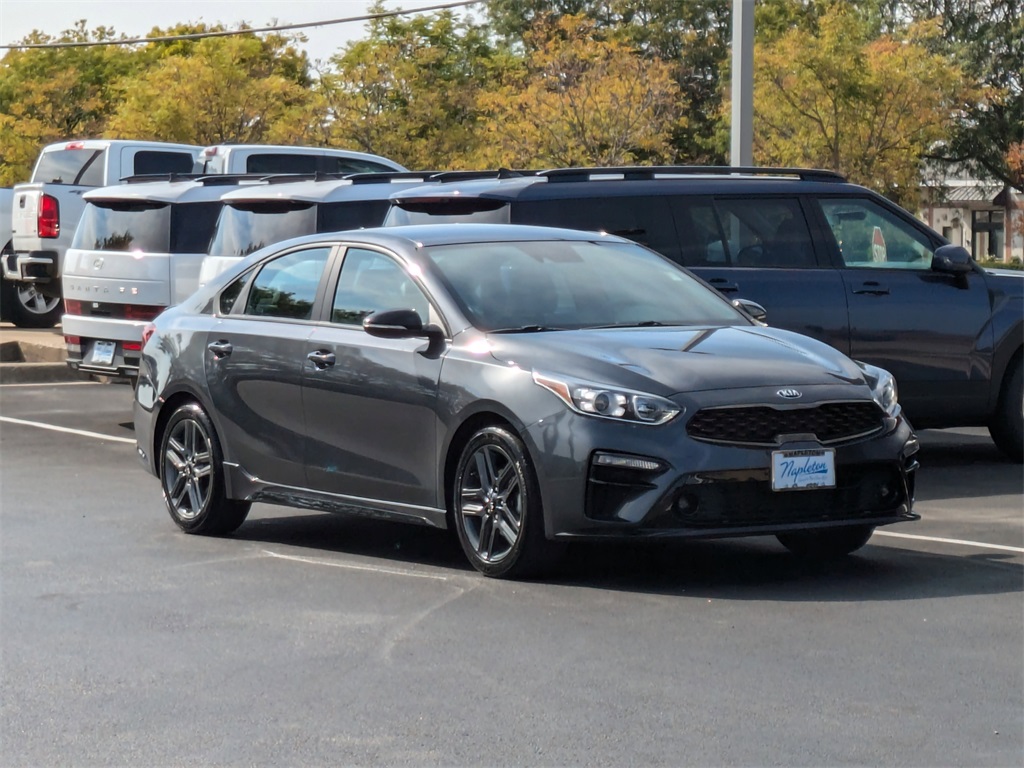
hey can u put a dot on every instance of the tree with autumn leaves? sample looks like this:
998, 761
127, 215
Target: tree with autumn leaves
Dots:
871, 88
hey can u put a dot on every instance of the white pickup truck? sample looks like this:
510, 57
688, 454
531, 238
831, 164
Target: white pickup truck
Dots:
46, 210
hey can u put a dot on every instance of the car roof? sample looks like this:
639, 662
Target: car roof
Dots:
177, 191
633, 181
285, 149
416, 236
325, 190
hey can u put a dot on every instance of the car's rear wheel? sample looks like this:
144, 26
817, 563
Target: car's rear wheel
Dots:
1007, 426
826, 543
192, 475
28, 307
497, 507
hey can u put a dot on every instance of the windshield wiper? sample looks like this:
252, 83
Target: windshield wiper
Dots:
635, 324
527, 329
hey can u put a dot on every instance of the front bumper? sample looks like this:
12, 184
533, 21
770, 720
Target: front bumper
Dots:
704, 490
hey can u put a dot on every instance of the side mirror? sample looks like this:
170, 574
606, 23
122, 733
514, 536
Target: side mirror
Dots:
399, 324
751, 309
952, 259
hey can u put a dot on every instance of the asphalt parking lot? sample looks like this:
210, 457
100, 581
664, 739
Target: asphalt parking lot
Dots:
310, 639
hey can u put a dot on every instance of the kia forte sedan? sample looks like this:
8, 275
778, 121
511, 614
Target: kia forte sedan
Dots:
525, 386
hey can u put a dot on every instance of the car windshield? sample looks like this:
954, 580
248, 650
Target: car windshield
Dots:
561, 285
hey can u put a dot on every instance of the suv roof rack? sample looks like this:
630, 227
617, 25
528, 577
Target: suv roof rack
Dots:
207, 179
638, 172
384, 177
495, 173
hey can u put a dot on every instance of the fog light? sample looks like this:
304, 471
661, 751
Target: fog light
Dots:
622, 461
686, 504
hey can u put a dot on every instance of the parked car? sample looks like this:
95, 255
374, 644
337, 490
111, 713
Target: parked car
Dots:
528, 386
47, 208
138, 249
257, 216
826, 258
7, 296
268, 159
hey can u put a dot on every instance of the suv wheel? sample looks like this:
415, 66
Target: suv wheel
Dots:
1007, 426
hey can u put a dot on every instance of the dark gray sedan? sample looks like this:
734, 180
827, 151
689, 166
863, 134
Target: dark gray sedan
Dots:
526, 386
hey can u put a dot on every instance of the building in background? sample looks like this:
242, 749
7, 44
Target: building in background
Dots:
985, 217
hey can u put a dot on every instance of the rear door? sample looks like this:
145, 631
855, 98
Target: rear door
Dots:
762, 249
931, 330
254, 363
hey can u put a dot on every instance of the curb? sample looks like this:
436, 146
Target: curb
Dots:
25, 362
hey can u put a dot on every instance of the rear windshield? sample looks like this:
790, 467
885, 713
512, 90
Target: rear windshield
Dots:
281, 163
147, 227
244, 229
355, 214
83, 167
451, 210
152, 161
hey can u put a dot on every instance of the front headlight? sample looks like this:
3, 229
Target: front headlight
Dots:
609, 402
883, 387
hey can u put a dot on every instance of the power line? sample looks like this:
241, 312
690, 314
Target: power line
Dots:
230, 32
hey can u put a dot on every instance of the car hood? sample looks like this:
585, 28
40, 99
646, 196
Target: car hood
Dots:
667, 361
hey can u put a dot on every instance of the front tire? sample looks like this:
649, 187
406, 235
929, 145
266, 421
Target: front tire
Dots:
1007, 425
826, 543
497, 509
192, 475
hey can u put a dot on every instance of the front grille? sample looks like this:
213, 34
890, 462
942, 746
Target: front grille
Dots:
761, 425
718, 500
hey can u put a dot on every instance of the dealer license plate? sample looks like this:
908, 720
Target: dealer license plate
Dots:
800, 470
102, 353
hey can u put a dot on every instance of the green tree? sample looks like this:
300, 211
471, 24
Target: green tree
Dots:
409, 91
580, 99
53, 94
244, 89
835, 97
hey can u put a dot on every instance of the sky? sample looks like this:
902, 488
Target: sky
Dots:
136, 18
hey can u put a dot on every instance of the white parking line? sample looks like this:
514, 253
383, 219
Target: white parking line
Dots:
67, 430
51, 384
961, 542
352, 567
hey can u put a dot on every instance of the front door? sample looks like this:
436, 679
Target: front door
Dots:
370, 403
929, 329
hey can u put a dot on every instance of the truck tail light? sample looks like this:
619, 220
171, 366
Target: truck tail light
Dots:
141, 312
75, 145
48, 222
72, 307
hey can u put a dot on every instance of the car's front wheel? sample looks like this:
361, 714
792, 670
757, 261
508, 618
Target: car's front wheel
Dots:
826, 543
497, 509
192, 475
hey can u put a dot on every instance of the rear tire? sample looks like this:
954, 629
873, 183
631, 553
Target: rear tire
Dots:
826, 543
26, 307
1007, 425
192, 475
496, 507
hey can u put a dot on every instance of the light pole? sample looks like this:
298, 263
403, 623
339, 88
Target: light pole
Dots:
741, 150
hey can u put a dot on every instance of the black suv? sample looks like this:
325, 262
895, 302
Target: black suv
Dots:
826, 258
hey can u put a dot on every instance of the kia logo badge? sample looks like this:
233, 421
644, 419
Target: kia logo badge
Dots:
790, 394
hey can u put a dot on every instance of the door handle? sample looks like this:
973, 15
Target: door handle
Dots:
321, 359
872, 288
220, 348
724, 285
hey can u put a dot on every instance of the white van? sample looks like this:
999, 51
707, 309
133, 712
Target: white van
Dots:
137, 250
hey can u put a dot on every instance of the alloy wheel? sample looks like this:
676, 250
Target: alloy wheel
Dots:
188, 469
491, 503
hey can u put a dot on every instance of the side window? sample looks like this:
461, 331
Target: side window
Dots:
702, 238
286, 286
764, 232
230, 295
867, 235
371, 282
281, 163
